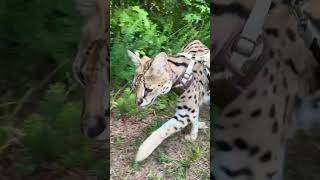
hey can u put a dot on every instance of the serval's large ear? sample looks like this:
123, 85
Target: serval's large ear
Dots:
134, 58
159, 62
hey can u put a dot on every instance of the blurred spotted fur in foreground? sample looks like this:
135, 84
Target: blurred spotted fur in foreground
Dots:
254, 123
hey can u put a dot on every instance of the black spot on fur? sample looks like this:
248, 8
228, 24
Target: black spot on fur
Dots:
222, 145
256, 113
254, 150
274, 89
265, 72
272, 111
297, 101
251, 94
271, 53
275, 127
178, 64
288, 2
201, 82
175, 128
241, 143
278, 64
235, 173
182, 97
271, 78
291, 35
285, 83
265, 157
273, 5
185, 107
286, 101
179, 107
315, 47
192, 111
289, 62
233, 8
272, 32
233, 113
190, 97
271, 174
183, 116
188, 120
235, 125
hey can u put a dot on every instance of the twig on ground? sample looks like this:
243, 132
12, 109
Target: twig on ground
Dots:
72, 87
7, 104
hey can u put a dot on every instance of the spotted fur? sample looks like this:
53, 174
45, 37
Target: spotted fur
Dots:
254, 124
156, 76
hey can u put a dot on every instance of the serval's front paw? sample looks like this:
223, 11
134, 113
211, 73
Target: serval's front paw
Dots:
190, 137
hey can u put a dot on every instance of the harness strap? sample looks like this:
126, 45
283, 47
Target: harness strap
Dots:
186, 79
250, 34
193, 59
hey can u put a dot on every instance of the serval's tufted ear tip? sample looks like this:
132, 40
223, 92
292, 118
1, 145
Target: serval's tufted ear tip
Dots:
134, 57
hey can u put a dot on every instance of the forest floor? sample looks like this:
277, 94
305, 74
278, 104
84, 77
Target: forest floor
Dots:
175, 158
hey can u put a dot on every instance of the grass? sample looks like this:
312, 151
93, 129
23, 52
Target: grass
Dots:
175, 158
134, 166
179, 168
163, 157
136, 142
155, 125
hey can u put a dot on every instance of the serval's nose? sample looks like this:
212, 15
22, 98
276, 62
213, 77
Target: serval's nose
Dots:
92, 130
139, 101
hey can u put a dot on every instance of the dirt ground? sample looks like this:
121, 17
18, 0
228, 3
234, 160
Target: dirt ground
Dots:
175, 158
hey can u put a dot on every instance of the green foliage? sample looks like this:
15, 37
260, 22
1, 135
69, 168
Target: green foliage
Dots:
134, 166
126, 105
131, 29
196, 153
155, 125
35, 36
53, 134
163, 102
152, 27
163, 157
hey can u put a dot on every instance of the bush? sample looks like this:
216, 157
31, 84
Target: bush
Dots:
153, 27
53, 134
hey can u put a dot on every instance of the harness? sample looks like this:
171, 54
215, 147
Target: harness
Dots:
244, 53
186, 79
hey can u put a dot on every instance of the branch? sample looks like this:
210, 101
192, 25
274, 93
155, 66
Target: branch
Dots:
27, 95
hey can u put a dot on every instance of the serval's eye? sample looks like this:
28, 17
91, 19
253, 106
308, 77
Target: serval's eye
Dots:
148, 90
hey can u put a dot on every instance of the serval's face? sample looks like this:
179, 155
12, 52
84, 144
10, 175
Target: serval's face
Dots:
151, 79
92, 73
